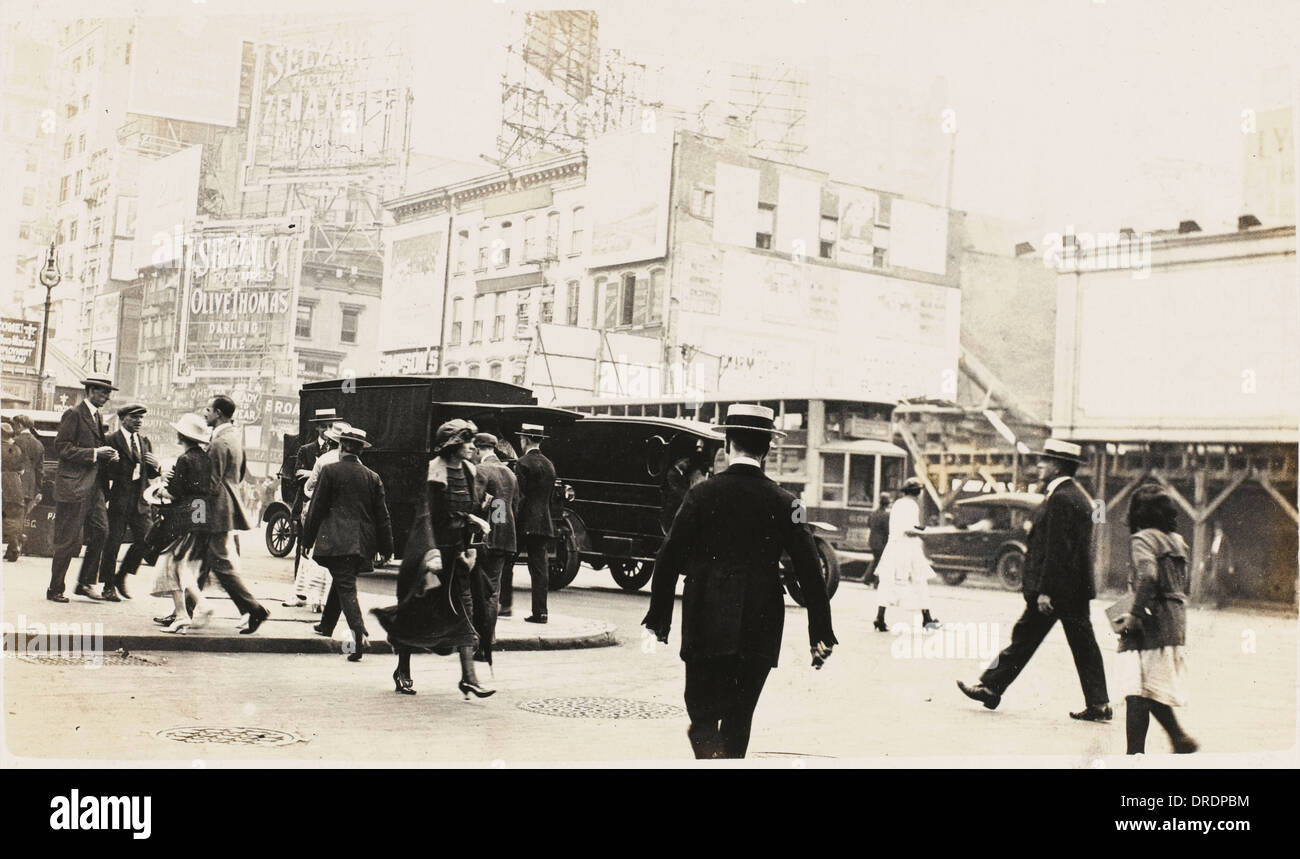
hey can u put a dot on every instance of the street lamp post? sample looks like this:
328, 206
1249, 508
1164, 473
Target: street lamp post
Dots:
50, 277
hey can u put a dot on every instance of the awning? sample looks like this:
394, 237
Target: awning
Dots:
866, 446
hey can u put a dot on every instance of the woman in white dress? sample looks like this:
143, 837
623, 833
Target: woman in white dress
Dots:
1153, 635
904, 571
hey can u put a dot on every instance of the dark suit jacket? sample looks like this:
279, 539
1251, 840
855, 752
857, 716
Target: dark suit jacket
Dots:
536, 476
79, 475
123, 492
304, 459
728, 538
34, 452
348, 516
878, 524
1059, 562
495, 479
226, 453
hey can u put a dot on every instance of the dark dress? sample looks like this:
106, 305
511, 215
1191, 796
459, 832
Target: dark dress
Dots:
438, 620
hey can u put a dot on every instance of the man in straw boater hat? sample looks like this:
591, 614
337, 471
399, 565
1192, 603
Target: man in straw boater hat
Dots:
536, 476
727, 538
348, 523
128, 477
1058, 584
80, 488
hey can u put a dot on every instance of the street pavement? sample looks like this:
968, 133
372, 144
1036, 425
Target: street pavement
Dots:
883, 698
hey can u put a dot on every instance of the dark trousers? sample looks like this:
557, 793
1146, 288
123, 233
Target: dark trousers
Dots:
721, 695
487, 593
119, 521
342, 595
219, 547
538, 569
1029, 632
77, 522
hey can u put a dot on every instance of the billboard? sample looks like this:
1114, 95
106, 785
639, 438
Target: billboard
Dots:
411, 310
19, 342
735, 204
628, 176
169, 188
919, 236
186, 68
798, 217
856, 242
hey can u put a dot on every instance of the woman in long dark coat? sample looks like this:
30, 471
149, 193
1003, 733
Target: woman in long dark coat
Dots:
1153, 634
434, 612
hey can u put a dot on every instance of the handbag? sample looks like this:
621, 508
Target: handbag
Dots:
1117, 610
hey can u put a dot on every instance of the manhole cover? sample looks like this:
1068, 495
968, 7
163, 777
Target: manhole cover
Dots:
601, 708
231, 736
105, 659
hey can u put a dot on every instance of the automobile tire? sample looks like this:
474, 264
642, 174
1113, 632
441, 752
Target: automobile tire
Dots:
830, 572
952, 577
564, 566
279, 533
1010, 568
631, 575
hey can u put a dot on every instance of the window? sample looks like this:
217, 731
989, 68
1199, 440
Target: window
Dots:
576, 237
519, 376
462, 250
24, 231
498, 318
628, 306
522, 308
472, 371
552, 235
530, 239
76, 65
348, 331
85, 102
608, 292
702, 202
63, 189
90, 57
830, 231
453, 370
546, 311
878, 259
501, 254
96, 229
72, 230
302, 326
476, 330
657, 280
81, 142
33, 164
763, 232
456, 308
833, 477
494, 370
29, 196
571, 303
71, 109
126, 56
862, 480
483, 244
77, 192
67, 147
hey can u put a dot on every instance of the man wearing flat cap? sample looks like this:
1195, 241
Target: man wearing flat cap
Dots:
727, 538
1058, 585
80, 487
128, 476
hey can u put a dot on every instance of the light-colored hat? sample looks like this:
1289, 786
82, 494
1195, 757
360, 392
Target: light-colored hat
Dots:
336, 430
532, 431
193, 426
743, 416
324, 416
355, 435
98, 380
5, 428
1060, 449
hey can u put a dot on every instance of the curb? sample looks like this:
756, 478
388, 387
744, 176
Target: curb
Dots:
263, 644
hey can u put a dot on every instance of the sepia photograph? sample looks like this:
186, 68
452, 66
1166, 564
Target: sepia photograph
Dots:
742, 384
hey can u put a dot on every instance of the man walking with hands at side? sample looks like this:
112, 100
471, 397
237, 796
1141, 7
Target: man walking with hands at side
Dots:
728, 538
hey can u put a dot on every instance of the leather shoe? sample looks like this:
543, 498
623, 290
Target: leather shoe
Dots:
85, 591
165, 621
110, 595
980, 692
121, 588
505, 612
316, 628
1094, 714
53, 597
535, 618
254, 622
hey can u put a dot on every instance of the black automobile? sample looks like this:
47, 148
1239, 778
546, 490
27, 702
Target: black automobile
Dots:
40, 519
985, 536
628, 476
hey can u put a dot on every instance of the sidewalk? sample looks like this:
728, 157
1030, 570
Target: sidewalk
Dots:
129, 625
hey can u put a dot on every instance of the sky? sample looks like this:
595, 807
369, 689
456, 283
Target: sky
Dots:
1095, 114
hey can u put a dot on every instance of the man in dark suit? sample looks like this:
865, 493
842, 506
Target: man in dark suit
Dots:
128, 476
727, 538
1057, 583
497, 485
226, 453
536, 477
304, 463
347, 522
80, 487
878, 535
33, 476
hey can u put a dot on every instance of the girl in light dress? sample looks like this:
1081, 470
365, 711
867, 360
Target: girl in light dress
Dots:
904, 571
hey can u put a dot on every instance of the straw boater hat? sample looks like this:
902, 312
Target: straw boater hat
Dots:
192, 426
336, 430
99, 381
1063, 450
532, 431
742, 416
354, 435
324, 416
6, 429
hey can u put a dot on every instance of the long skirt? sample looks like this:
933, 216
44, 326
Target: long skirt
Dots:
1159, 674
313, 582
904, 573
430, 619
189, 552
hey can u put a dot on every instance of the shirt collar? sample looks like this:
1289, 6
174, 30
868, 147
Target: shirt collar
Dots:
91, 406
221, 430
1051, 487
744, 460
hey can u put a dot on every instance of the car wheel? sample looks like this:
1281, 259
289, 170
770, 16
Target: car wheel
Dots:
952, 577
279, 533
631, 575
563, 568
830, 565
1011, 569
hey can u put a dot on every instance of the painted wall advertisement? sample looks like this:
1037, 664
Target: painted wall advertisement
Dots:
628, 177
413, 279
856, 244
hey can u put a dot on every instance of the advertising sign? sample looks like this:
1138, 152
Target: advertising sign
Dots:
186, 68
920, 236
628, 175
411, 310
857, 224
735, 204
19, 341
169, 188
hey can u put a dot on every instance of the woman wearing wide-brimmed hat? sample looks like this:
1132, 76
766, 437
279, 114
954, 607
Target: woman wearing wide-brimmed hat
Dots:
434, 613
904, 571
185, 555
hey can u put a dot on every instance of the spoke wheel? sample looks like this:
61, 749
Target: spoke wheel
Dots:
631, 575
279, 534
